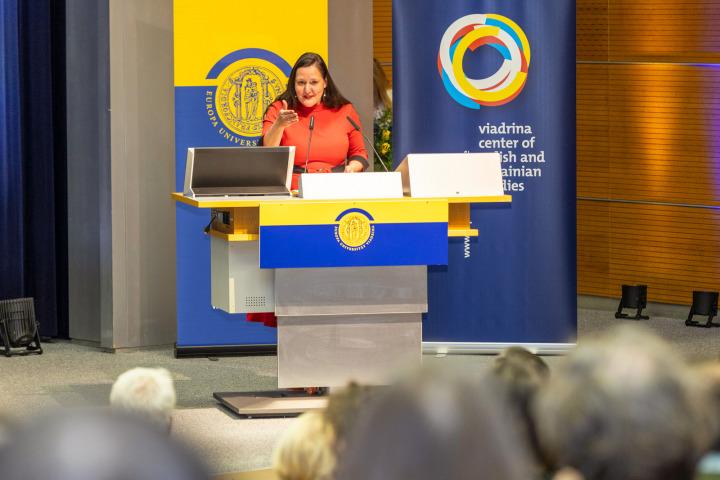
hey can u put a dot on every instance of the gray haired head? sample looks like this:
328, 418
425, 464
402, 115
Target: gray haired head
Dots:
430, 427
625, 406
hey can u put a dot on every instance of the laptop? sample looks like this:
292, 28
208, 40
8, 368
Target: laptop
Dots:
238, 171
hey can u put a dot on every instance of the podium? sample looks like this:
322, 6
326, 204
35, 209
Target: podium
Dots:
346, 278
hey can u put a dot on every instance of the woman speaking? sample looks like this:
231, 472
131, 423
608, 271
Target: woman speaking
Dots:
312, 112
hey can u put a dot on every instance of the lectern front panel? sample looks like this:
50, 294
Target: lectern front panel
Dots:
330, 351
350, 291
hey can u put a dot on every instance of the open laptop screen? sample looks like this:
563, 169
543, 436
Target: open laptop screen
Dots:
231, 171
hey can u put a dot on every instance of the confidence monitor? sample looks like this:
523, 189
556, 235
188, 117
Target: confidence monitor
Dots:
238, 171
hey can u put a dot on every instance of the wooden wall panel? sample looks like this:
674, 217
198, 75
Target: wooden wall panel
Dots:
593, 141
662, 30
382, 35
674, 250
650, 133
648, 123
591, 20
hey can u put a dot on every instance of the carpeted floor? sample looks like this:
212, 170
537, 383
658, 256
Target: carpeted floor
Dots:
72, 375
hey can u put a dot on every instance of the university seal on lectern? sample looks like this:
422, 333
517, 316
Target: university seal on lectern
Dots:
354, 230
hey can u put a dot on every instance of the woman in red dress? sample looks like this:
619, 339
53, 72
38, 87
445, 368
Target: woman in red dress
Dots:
311, 93
336, 146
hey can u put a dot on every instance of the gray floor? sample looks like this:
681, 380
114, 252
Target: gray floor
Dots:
72, 375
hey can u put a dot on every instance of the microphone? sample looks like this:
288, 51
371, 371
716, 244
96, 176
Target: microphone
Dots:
311, 127
372, 144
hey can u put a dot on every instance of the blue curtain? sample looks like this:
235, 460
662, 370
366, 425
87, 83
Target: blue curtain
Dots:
33, 218
11, 179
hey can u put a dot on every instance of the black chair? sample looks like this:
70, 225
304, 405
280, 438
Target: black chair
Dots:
633, 296
704, 303
18, 327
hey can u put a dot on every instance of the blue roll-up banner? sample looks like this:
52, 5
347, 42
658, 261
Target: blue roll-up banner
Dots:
477, 76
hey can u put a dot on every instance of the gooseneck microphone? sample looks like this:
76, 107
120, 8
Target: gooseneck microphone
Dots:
311, 127
372, 144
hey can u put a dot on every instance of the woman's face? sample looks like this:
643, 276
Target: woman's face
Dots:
309, 85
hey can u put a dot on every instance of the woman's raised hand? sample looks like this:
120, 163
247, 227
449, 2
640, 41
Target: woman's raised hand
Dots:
286, 117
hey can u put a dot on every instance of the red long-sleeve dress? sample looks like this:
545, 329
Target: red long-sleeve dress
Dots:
334, 139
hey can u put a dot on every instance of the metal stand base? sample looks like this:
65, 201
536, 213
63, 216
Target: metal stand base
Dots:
269, 404
638, 315
694, 323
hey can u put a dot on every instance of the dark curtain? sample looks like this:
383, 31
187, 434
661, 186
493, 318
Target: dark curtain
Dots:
33, 205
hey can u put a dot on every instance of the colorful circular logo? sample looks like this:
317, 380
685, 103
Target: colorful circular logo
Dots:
354, 230
246, 82
471, 32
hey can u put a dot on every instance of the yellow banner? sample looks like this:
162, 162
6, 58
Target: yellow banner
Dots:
233, 59
206, 31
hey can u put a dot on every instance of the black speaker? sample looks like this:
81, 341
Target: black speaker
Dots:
633, 296
706, 304
18, 328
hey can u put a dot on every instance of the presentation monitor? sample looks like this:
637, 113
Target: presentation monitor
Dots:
238, 171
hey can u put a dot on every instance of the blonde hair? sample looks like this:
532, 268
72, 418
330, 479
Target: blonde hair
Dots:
305, 451
380, 87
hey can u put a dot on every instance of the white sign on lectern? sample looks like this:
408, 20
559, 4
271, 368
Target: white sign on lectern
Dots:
340, 186
451, 175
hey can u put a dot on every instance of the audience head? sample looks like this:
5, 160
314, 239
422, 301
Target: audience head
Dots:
343, 408
96, 445
521, 374
305, 450
624, 406
147, 392
431, 427
709, 373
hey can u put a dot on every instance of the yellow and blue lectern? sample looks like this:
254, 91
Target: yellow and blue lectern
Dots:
347, 279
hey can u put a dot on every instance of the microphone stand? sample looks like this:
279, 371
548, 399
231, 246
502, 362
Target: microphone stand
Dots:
311, 127
372, 144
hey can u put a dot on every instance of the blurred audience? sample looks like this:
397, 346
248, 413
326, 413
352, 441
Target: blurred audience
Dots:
434, 427
622, 406
95, 445
305, 450
709, 465
625, 406
6, 430
342, 411
146, 392
521, 375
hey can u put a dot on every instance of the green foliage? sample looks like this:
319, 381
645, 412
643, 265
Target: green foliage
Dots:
382, 128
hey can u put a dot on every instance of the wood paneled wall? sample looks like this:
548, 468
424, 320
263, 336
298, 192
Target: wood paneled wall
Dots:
648, 165
382, 35
648, 143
